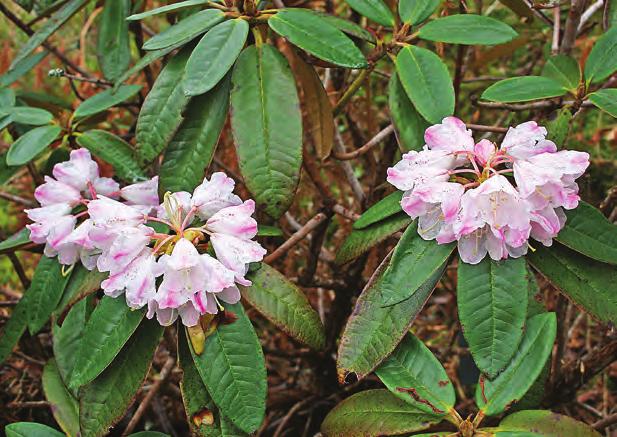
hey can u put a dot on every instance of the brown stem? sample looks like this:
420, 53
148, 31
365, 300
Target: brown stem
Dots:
380, 136
296, 238
571, 27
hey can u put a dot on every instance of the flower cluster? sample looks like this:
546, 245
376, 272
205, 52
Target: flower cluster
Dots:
204, 251
488, 199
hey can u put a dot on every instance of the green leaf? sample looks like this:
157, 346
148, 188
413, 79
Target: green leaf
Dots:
187, 29
587, 231
426, 81
547, 424
60, 17
7, 98
162, 111
214, 56
192, 147
108, 329
523, 89
83, 283
269, 231
416, 11
104, 401
492, 308
64, 406
373, 413
233, 369
346, 26
415, 258
30, 144
14, 328
105, 100
495, 396
45, 292
113, 47
361, 240
266, 124
559, 127
563, 69
409, 124
374, 330
610, 14
14, 241
167, 8
602, 61
22, 67
386, 207
196, 398
467, 29
28, 429
285, 305
606, 100
67, 338
375, 10
115, 151
590, 284
30, 116
142, 63
317, 36
413, 366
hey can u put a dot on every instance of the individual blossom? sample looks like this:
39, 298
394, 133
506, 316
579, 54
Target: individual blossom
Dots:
489, 199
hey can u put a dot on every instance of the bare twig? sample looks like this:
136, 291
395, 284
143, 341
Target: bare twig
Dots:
556, 30
571, 27
25, 282
379, 137
296, 237
165, 371
542, 104
281, 428
356, 187
483, 128
17, 199
29, 404
589, 13
606, 422
344, 212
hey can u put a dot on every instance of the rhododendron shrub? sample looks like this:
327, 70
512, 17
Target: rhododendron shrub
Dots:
341, 218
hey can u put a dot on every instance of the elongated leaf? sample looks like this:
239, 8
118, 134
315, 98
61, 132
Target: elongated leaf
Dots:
109, 328
361, 240
214, 56
67, 338
16, 240
45, 292
563, 69
426, 81
415, 258
523, 89
197, 400
373, 413
142, 63
609, 20
602, 61
267, 127
413, 374
233, 369
559, 127
386, 207
113, 49
22, 67
285, 305
374, 330
64, 406
606, 100
60, 17
191, 150
115, 151
7, 98
587, 231
492, 308
162, 111
28, 429
375, 10
83, 282
467, 29
409, 124
592, 285
103, 402
494, 396
187, 29
31, 116
416, 11
105, 100
30, 144
14, 328
317, 36
547, 424
349, 27
167, 8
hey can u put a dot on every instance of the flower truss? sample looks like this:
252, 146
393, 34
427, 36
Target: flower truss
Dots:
488, 199
90, 218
